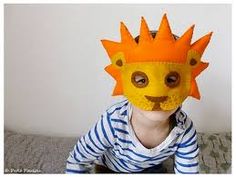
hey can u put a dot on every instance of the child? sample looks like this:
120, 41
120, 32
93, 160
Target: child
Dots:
156, 73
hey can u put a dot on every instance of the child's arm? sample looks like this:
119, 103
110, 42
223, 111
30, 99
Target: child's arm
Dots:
186, 157
90, 147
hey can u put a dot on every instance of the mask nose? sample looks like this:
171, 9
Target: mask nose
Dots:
156, 101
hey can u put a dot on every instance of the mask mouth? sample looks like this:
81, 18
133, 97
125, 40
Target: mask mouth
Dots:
156, 101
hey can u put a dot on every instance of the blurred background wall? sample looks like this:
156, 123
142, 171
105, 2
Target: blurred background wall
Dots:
54, 78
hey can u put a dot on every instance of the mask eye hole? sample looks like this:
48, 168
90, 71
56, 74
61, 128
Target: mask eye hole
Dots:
139, 79
172, 79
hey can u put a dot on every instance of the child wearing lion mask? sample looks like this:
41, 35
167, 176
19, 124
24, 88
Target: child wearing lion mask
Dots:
155, 72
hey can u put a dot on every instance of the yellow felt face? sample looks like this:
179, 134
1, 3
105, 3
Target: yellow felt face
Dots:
156, 86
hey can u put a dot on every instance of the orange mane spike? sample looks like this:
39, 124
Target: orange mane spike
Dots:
145, 35
196, 71
111, 47
194, 92
201, 44
164, 31
115, 73
186, 37
126, 37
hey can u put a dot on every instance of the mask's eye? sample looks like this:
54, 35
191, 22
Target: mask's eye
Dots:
172, 79
139, 79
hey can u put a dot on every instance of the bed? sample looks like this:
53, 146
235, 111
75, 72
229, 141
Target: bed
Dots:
25, 153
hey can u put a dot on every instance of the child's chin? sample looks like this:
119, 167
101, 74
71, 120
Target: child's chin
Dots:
158, 115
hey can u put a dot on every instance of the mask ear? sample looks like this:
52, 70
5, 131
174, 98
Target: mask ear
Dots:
118, 60
193, 58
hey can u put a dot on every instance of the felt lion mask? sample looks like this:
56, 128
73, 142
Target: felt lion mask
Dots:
156, 72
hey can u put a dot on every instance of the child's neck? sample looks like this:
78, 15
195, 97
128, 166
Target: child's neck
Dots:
151, 127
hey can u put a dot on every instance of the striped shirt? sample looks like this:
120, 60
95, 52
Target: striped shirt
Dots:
113, 143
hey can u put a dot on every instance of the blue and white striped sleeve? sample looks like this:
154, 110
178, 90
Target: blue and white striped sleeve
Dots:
90, 147
186, 156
